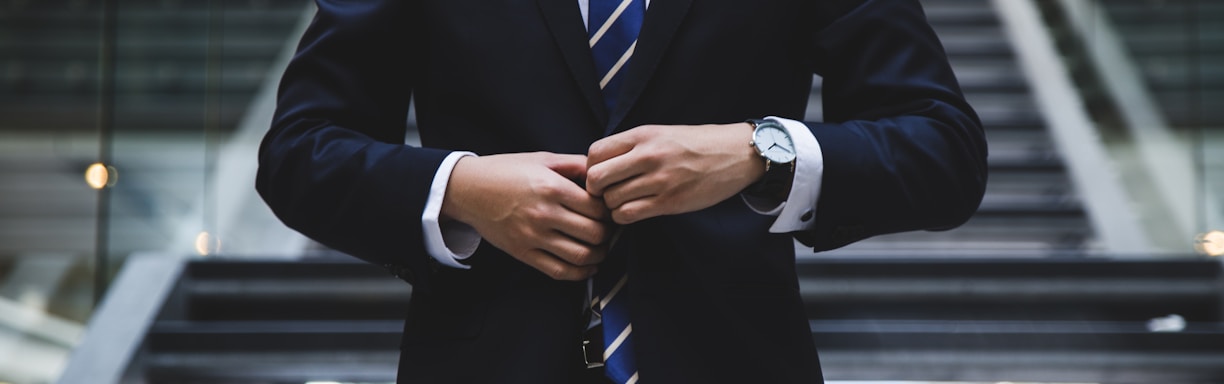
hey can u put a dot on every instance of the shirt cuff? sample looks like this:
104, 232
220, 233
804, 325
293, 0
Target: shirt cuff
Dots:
448, 241
798, 212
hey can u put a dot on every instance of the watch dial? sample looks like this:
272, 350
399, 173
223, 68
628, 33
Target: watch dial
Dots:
775, 144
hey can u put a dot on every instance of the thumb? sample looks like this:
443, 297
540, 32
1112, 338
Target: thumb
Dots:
573, 167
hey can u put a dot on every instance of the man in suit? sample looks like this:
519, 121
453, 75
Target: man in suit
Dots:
535, 147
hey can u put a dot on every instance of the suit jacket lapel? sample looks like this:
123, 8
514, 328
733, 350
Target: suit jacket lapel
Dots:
565, 23
662, 20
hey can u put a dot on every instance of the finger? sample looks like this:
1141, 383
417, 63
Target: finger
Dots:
586, 205
629, 190
573, 167
555, 267
571, 251
636, 210
615, 170
609, 147
574, 198
581, 228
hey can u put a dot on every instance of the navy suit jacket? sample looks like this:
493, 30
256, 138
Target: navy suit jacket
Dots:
715, 297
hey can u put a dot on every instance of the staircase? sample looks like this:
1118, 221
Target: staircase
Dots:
337, 319
1030, 208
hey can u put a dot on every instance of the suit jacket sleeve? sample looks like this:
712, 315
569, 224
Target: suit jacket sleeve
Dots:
902, 148
333, 166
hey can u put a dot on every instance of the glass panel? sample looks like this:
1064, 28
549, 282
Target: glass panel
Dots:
1175, 49
49, 135
161, 106
187, 73
115, 114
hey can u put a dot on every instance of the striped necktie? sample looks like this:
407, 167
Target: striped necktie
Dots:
612, 28
611, 303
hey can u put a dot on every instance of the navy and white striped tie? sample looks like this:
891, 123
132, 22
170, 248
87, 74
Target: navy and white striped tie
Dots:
611, 302
613, 27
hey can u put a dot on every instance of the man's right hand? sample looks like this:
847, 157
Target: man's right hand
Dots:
532, 206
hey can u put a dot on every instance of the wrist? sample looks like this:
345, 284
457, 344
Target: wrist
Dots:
454, 198
751, 161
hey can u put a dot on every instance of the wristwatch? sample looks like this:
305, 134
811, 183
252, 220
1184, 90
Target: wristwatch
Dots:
773, 142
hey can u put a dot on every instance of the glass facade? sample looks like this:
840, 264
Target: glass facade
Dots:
115, 115
129, 126
1156, 96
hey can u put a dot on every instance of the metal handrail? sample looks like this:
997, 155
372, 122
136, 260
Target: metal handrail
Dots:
1108, 205
119, 325
1165, 164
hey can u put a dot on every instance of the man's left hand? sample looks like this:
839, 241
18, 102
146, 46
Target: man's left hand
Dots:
656, 170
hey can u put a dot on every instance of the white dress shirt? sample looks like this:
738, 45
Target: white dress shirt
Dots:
450, 242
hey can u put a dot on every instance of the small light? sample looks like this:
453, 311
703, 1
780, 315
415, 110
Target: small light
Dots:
100, 176
206, 244
1170, 323
1210, 243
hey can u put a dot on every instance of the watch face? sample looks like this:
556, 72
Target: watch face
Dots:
774, 143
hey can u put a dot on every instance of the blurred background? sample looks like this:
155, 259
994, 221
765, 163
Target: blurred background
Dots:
133, 247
